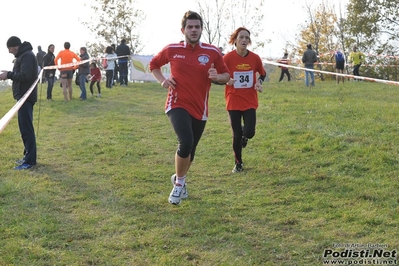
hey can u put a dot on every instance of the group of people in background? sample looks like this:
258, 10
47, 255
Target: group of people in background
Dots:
115, 63
85, 72
310, 57
25, 72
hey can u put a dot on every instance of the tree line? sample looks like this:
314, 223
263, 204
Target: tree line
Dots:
371, 25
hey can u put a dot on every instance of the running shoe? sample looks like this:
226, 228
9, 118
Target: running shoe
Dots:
238, 168
184, 193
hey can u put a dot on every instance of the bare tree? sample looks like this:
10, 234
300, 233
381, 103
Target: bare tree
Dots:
214, 23
114, 20
222, 17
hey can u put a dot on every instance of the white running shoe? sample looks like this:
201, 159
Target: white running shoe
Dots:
175, 195
184, 193
238, 168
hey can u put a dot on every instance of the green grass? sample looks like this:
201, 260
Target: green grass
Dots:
322, 169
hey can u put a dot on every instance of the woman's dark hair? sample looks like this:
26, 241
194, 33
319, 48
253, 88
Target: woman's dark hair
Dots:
48, 48
109, 50
191, 15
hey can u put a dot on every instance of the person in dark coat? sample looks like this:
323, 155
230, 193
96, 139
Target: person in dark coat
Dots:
39, 56
84, 70
308, 59
24, 75
49, 74
124, 51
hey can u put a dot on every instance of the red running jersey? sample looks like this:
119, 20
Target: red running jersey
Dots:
242, 95
189, 68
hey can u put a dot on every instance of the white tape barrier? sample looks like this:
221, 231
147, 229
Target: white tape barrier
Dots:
333, 73
10, 114
368, 55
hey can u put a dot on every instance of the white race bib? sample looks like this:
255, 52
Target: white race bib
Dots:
243, 79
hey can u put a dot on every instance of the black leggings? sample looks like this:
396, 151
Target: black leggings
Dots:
98, 86
188, 130
284, 71
239, 131
110, 78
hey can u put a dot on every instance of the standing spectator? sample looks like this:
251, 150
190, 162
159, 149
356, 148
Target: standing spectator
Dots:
39, 56
357, 58
23, 76
110, 59
193, 65
66, 57
309, 58
241, 91
339, 64
116, 69
84, 70
284, 70
95, 77
48, 60
124, 51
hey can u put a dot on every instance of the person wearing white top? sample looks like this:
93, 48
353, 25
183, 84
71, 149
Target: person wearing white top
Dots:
109, 66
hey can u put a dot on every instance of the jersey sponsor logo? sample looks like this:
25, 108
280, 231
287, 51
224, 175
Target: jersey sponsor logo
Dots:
203, 59
179, 56
243, 66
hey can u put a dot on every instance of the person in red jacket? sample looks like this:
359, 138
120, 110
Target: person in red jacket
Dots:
193, 65
241, 91
95, 78
284, 70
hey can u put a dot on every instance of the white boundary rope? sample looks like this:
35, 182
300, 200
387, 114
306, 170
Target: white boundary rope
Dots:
334, 73
10, 114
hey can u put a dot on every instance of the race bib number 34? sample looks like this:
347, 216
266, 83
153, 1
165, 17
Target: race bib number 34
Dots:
243, 79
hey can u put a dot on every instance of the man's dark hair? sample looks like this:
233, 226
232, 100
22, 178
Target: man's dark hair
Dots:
123, 41
309, 46
191, 15
67, 45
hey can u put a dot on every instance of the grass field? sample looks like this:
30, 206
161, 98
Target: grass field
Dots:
321, 172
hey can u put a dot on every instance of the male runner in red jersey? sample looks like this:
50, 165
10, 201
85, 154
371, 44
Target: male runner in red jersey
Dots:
193, 66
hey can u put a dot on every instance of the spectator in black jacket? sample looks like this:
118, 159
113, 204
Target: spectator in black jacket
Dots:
39, 56
48, 60
84, 70
123, 50
24, 75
